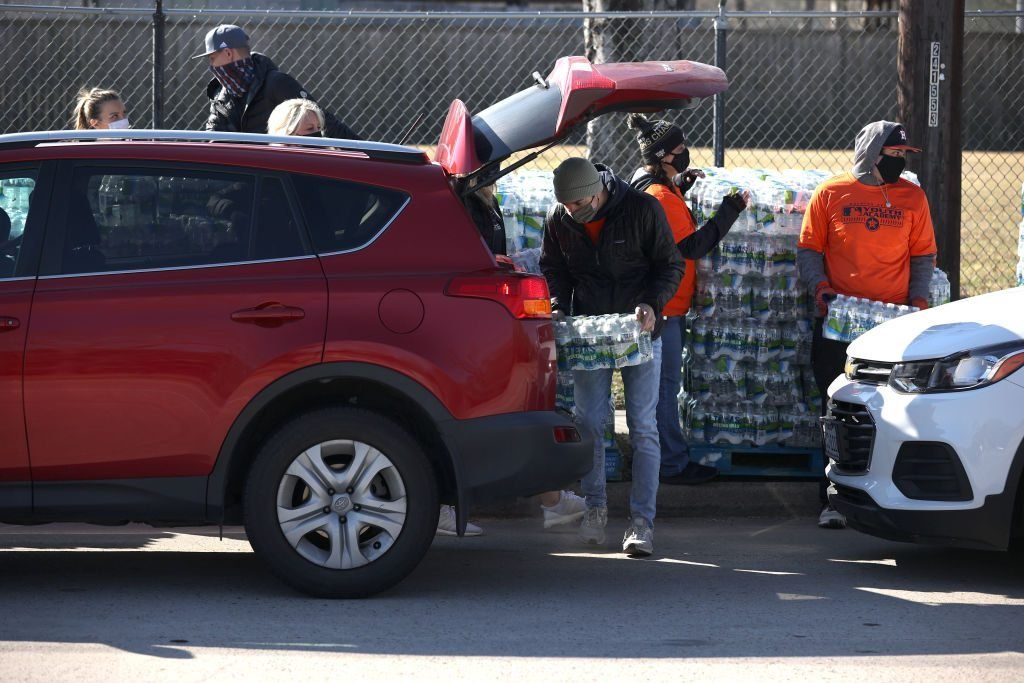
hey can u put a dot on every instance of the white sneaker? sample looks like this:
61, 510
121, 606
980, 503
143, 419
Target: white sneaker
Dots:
446, 524
568, 509
639, 538
592, 527
830, 518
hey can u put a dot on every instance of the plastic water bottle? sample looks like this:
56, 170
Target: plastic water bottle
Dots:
729, 297
763, 305
785, 428
939, 289
757, 247
698, 335
696, 422
706, 296
856, 315
836, 320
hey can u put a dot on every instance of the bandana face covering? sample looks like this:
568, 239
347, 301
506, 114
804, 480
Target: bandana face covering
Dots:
237, 76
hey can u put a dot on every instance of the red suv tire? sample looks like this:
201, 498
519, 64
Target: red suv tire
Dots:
341, 503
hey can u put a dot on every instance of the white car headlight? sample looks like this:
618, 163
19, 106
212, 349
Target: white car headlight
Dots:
967, 370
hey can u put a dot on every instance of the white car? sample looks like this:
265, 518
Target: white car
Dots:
925, 431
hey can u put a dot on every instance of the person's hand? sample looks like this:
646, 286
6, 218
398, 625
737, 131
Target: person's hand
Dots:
645, 316
557, 315
823, 295
737, 200
920, 302
685, 180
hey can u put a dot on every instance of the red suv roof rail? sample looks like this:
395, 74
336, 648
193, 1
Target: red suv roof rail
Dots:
373, 150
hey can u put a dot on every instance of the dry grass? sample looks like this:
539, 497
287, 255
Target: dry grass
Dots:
991, 199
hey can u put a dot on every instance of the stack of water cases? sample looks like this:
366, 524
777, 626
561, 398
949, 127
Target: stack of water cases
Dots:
747, 378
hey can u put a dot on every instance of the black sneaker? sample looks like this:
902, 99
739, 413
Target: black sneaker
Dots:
693, 473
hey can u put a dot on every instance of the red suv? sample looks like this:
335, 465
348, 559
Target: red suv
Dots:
308, 338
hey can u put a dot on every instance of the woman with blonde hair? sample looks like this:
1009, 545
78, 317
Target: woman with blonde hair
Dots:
99, 109
296, 117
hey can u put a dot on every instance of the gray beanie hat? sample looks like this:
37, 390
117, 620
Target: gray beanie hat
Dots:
576, 178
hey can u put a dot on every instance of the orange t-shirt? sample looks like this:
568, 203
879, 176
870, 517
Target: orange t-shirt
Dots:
868, 245
594, 229
681, 221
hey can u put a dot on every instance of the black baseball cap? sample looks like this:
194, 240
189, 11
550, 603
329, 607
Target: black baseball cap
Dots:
223, 37
898, 140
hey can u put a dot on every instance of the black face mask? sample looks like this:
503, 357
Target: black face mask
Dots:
314, 134
891, 167
681, 161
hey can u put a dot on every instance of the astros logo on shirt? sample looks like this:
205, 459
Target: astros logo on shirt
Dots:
872, 216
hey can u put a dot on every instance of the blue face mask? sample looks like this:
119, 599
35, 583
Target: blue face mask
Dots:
237, 76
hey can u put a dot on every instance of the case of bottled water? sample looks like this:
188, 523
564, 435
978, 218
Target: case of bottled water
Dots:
601, 341
524, 198
850, 317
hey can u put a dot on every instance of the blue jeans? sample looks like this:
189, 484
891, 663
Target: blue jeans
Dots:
592, 389
675, 453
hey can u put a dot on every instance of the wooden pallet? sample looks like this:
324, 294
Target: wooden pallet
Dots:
761, 461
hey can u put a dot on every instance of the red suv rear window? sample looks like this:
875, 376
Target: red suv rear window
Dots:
344, 216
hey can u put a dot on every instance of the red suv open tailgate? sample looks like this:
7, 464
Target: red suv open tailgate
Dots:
575, 92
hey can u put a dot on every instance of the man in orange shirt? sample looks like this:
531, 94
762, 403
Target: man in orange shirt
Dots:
867, 234
666, 176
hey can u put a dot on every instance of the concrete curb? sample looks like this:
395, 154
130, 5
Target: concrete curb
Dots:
720, 498
785, 499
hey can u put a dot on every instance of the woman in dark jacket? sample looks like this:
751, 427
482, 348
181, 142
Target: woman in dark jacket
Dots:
486, 214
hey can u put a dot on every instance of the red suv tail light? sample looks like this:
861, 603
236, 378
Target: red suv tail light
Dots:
567, 435
525, 296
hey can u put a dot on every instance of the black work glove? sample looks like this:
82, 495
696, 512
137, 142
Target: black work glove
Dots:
685, 180
735, 200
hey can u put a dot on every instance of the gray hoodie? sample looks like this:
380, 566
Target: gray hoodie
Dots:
867, 148
811, 264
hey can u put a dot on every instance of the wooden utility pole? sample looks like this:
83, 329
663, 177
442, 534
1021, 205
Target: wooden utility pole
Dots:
622, 40
930, 65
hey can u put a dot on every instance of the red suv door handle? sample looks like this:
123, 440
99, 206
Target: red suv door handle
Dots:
7, 323
269, 314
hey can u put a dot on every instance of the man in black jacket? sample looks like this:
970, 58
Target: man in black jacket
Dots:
608, 249
247, 86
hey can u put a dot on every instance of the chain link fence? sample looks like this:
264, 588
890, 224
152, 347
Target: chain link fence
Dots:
802, 84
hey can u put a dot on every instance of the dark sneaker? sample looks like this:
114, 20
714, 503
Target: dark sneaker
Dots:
693, 473
639, 538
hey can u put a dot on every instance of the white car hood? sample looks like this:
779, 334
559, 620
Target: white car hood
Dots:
995, 318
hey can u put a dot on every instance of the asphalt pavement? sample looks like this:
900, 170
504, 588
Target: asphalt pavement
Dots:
722, 599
